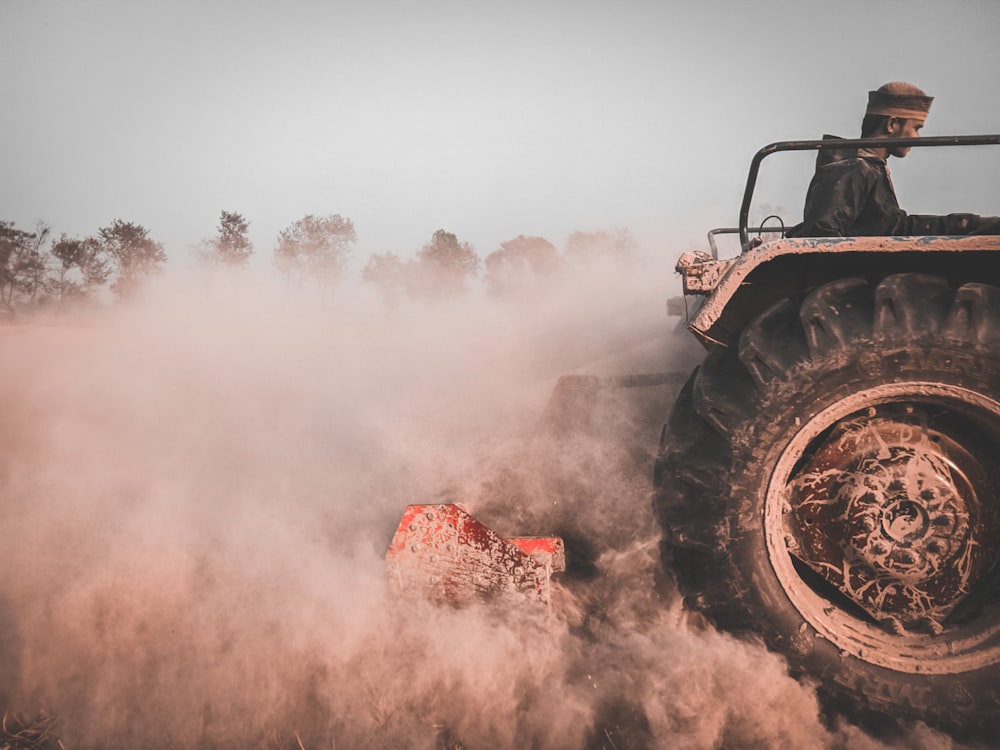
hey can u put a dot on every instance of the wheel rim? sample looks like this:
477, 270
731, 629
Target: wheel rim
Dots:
881, 524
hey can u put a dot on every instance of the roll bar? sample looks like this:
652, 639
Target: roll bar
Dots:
844, 143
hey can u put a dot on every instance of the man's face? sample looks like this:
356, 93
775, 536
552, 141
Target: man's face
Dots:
899, 127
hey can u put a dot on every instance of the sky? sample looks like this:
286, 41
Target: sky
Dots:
488, 120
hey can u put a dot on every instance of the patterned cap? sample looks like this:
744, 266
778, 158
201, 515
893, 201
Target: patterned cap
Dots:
898, 99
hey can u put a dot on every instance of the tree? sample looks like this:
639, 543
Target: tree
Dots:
618, 244
316, 246
445, 262
388, 273
83, 267
520, 262
134, 255
439, 268
22, 264
232, 247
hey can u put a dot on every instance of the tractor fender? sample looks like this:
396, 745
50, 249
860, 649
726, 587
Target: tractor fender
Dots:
736, 289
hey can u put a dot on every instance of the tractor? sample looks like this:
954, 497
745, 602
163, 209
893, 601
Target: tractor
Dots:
828, 478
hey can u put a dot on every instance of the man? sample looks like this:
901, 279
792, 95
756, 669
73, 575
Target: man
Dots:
853, 196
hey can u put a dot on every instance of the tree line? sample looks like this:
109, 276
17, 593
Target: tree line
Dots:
41, 272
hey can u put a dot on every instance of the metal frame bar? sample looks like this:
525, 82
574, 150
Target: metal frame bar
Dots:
841, 143
712, 233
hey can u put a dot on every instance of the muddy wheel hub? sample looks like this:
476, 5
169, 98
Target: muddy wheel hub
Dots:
888, 510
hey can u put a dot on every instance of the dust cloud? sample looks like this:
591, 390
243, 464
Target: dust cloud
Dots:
198, 491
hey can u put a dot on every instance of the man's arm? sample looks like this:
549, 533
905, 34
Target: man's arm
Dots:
917, 224
853, 198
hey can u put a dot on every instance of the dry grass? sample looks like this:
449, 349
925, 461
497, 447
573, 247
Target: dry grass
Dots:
19, 733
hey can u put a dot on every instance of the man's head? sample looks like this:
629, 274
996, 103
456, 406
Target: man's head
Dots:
896, 110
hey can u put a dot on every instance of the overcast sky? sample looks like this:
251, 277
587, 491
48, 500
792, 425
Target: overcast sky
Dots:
487, 119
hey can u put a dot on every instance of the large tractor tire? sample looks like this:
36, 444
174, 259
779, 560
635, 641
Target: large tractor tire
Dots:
830, 485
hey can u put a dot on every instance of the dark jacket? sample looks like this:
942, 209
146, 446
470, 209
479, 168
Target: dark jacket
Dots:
854, 197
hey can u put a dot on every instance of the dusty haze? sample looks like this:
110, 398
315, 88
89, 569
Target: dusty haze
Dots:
199, 490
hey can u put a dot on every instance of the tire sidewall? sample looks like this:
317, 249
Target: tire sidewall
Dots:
784, 406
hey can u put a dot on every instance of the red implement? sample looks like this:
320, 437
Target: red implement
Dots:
446, 555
